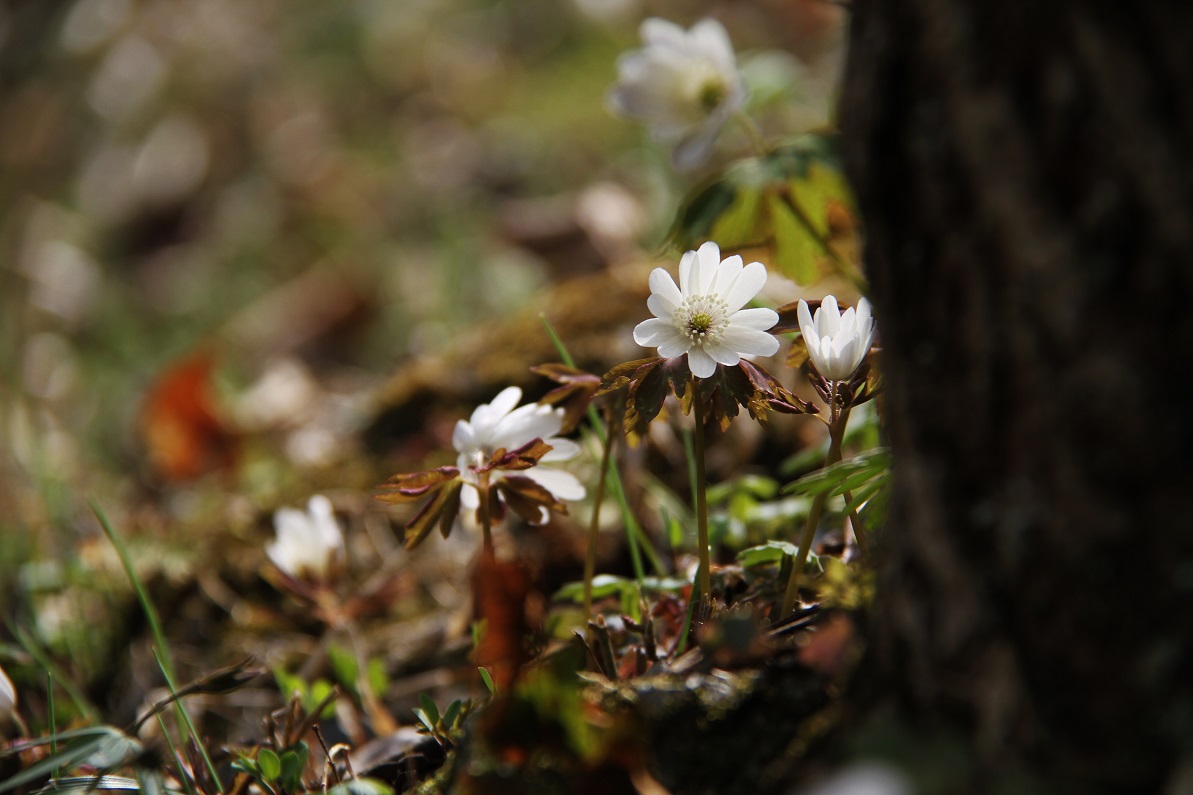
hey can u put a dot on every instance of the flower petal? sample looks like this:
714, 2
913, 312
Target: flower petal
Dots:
720, 352
661, 32
711, 40
728, 271
561, 449
747, 284
665, 297
528, 422
828, 317
469, 497
674, 346
759, 318
806, 326
463, 437
750, 342
563, 485
700, 363
655, 332
708, 257
686, 263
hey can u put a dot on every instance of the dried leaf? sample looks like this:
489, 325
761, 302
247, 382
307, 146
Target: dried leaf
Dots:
501, 590
416, 485
574, 394
529, 499
183, 433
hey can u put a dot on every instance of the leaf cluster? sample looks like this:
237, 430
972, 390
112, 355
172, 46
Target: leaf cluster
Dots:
441, 488
744, 385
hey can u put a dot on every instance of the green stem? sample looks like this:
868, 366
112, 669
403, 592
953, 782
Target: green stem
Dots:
753, 133
155, 624
635, 535
859, 530
703, 578
594, 524
190, 726
836, 432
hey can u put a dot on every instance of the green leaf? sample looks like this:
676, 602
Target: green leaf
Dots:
109, 745
770, 552
428, 706
344, 666
270, 765
453, 712
289, 684
607, 584
426, 721
293, 761
780, 200
832, 479
378, 676
487, 678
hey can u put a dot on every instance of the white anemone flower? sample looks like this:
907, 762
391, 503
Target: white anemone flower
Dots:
499, 425
703, 316
837, 342
684, 85
8, 697
308, 543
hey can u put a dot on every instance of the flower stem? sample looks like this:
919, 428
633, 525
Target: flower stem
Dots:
482, 487
703, 578
753, 133
635, 535
836, 432
595, 523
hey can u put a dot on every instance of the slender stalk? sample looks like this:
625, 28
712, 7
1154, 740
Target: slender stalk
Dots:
703, 578
753, 133
594, 524
635, 535
836, 432
190, 726
155, 624
859, 530
482, 488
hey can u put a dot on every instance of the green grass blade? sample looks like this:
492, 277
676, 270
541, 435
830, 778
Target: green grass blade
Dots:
155, 625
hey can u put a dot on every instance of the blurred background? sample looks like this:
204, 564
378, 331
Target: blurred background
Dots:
227, 227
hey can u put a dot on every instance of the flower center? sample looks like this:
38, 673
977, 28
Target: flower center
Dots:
712, 94
702, 318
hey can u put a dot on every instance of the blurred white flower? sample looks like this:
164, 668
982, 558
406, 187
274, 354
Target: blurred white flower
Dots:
684, 85
837, 342
498, 425
308, 544
703, 316
8, 697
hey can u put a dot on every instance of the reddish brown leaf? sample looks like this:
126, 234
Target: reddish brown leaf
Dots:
183, 433
501, 590
525, 457
574, 394
527, 498
420, 526
416, 485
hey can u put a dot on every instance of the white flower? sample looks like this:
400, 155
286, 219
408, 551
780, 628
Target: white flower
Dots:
8, 697
498, 425
308, 544
703, 317
837, 342
684, 85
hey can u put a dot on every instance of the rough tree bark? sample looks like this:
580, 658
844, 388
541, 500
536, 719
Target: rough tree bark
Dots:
1025, 175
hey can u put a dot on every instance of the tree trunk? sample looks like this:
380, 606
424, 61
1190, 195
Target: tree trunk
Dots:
1025, 175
